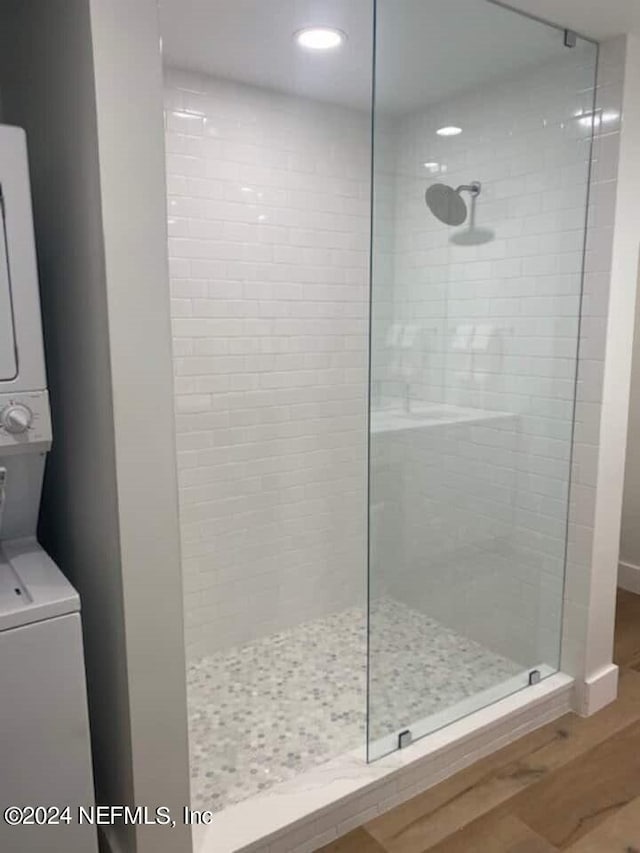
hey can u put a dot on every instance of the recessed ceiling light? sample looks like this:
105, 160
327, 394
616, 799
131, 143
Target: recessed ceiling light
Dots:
449, 130
432, 167
320, 38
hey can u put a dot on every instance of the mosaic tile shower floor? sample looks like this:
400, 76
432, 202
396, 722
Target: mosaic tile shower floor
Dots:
263, 713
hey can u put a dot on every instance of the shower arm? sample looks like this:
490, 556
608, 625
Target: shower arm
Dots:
473, 189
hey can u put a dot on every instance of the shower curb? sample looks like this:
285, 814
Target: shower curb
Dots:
320, 806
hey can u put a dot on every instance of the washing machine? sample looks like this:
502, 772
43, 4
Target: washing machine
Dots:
45, 757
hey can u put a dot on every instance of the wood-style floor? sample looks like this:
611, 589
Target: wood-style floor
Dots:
573, 785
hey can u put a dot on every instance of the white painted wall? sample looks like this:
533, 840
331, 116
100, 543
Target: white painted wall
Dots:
629, 576
610, 287
128, 79
626, 257
630, 244
79, 524
269, 236
74, 74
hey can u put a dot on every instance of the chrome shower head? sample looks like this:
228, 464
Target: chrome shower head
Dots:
447, 204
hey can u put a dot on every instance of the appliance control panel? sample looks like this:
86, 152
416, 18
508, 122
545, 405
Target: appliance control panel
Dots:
25, 422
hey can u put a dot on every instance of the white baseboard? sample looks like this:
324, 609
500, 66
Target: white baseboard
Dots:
596, 692
629, 577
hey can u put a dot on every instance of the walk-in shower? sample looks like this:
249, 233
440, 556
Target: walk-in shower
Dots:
374, 397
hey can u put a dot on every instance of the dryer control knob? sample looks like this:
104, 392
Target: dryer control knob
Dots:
16, 418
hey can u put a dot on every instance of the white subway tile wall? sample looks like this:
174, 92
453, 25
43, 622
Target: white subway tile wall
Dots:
269, 253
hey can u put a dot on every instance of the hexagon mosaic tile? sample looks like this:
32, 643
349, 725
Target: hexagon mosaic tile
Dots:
262, 713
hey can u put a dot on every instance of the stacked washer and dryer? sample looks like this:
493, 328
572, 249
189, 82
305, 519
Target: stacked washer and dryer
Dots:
45, 757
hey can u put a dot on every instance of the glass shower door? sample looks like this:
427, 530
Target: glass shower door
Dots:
482, 147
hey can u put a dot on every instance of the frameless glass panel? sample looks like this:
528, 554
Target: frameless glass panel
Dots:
482, 145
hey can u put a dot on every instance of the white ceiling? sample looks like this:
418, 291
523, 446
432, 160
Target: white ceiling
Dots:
251, 41
598, 19
427, 49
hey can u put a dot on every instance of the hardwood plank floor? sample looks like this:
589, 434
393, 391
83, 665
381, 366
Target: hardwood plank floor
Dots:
358, 841
496, 833
620, 831
627, 641
572, 785
428, 819
578, 797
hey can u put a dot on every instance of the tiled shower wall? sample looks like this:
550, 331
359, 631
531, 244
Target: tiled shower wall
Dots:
269, 238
